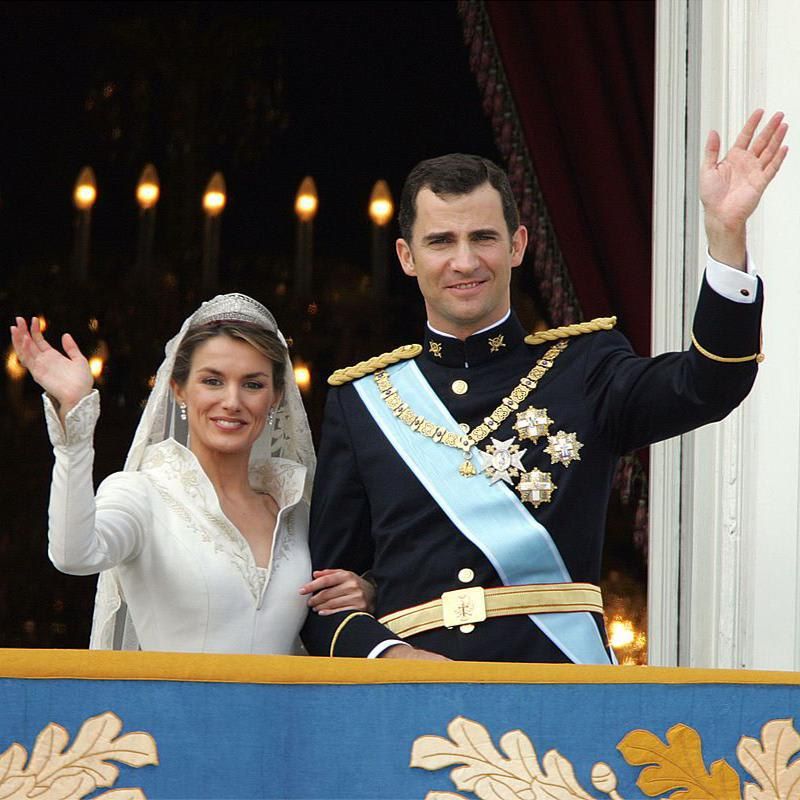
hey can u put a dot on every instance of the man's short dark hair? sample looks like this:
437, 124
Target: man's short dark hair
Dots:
454, 174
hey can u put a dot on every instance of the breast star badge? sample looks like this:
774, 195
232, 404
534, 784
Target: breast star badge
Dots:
496, 342
502, 460
536, 487
533, 423
563, 448
435, 348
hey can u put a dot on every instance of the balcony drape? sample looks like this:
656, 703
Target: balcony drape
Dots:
568, 85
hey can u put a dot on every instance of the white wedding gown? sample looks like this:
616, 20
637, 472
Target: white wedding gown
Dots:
187, 574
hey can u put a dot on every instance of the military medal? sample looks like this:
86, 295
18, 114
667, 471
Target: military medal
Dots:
533, 423
563, 448
536, 487
467, 468
502, 460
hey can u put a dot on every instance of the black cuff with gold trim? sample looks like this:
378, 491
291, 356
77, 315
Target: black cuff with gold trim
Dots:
349, 633
357, 634
726, 331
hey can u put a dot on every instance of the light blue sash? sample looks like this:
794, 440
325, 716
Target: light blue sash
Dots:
490, 516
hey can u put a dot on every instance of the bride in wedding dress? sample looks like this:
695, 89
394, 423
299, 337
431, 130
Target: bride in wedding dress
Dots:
201, 541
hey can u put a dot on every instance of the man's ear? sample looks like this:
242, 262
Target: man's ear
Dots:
519, 241
406, 257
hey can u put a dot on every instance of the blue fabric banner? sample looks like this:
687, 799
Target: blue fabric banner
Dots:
341, 730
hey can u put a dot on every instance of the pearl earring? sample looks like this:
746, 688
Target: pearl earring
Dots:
271, 416
182, 407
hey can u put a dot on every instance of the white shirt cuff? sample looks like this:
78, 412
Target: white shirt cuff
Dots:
385, 645
733, 284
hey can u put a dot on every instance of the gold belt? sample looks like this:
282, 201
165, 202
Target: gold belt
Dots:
475, 604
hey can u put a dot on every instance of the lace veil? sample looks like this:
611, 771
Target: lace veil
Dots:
288, 437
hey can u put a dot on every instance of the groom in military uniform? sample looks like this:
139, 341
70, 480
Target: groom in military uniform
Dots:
469, 476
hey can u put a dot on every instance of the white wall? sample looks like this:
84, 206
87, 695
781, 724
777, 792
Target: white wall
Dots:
724, 588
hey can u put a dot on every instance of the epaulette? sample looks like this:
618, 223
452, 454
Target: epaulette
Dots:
347, 374
565, 331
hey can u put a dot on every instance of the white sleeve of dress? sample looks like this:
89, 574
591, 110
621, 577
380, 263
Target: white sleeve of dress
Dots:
85, 539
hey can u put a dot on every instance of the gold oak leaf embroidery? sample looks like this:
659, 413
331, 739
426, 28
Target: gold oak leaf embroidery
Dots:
678, 766
53, 774
768, 762
490, 775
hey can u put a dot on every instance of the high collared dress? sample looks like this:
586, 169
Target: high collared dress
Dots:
188, 575
370, 512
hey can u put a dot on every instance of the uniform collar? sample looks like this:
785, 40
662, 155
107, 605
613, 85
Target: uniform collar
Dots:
477, 349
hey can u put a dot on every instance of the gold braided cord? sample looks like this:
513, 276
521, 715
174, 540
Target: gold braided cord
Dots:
347, 374
759, 357
565, 331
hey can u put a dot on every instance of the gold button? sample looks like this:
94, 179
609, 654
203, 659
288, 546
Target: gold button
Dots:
465, 575
467, 628
459, 387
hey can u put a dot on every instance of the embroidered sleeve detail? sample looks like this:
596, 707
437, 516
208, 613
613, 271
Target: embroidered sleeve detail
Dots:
80, 421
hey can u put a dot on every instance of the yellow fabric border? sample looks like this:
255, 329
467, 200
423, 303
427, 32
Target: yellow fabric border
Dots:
207, 668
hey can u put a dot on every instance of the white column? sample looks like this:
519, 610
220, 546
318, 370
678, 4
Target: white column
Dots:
669, 325
737, 587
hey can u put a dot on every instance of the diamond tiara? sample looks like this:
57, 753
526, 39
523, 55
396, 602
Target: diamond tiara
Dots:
235, 308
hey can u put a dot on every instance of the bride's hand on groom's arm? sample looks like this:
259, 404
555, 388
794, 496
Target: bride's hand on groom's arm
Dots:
333, 590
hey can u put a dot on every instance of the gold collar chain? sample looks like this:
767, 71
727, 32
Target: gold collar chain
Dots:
467, 440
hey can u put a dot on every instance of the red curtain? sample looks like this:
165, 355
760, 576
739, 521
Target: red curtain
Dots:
570, 91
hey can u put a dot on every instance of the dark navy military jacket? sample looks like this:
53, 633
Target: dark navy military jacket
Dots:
370, 513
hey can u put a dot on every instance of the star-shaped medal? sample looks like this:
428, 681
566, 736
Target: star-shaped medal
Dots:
533, 423
536, 487
502, 460
563, 447
496, 342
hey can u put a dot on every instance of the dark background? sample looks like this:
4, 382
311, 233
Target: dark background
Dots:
265, 92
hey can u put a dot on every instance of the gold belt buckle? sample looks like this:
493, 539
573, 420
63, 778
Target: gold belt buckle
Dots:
463, 607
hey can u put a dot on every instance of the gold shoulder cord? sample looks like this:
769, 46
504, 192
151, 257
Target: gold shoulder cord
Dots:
578, 328
467, 440
347, 374
757, 357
